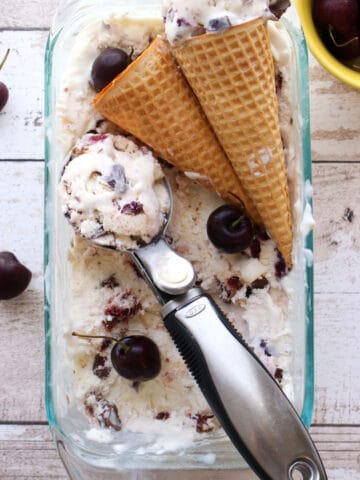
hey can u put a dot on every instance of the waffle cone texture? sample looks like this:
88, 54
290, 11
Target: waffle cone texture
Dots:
152, 100
232, 75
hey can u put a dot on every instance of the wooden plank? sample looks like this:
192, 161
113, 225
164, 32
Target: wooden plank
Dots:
25, 14
28, 452
21, 214
337, 359
339, 448
21, 121
337, 231
335, 116
21, 319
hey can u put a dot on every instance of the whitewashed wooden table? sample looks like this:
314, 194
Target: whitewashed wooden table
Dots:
26, 448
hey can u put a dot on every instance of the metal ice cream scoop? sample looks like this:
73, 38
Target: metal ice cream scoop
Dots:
251, 407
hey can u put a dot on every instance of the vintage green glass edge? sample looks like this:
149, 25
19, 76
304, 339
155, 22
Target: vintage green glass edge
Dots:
48, 280
303, 91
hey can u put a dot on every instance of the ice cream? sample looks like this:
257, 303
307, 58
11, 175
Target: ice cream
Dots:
188, 18
113, 192
108, 297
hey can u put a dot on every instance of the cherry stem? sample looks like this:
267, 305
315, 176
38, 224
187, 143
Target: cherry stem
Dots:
130, 55
236, 222
238, 199
5, 58
125, 347
340, 45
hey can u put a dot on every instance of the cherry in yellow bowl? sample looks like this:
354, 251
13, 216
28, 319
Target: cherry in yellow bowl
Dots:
346, 70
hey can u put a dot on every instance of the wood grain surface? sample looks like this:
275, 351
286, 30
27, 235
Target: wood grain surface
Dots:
26, 448
335, 118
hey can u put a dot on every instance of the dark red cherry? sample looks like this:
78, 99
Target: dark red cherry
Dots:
230, 229
4, 92
14, 276
137, 358
4, 95
107, 65
342, 15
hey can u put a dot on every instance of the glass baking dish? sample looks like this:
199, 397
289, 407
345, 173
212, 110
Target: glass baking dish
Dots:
85, 458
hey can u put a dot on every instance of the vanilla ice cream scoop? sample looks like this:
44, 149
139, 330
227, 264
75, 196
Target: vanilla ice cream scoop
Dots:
112, 192
115, 195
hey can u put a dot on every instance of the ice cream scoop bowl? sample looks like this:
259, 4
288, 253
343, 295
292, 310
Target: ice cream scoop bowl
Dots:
167, 273
254, 412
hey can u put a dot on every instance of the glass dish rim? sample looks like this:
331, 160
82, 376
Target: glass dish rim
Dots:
303, 88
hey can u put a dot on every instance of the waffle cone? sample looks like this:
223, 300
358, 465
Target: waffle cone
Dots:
152, 100
232, 75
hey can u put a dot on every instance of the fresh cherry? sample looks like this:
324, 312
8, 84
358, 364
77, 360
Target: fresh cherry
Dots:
230, 229
14, 276
4, 92
135, 357
4, 95
342, 15
107, 65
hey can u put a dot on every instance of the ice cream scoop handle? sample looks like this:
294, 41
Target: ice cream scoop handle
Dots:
253, 410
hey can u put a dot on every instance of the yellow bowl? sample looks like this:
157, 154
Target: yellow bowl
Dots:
318, 49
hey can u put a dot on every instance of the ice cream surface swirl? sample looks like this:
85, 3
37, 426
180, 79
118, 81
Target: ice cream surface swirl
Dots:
188, 18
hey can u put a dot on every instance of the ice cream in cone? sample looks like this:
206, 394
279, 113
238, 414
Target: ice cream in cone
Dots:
232, 74
152, 100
